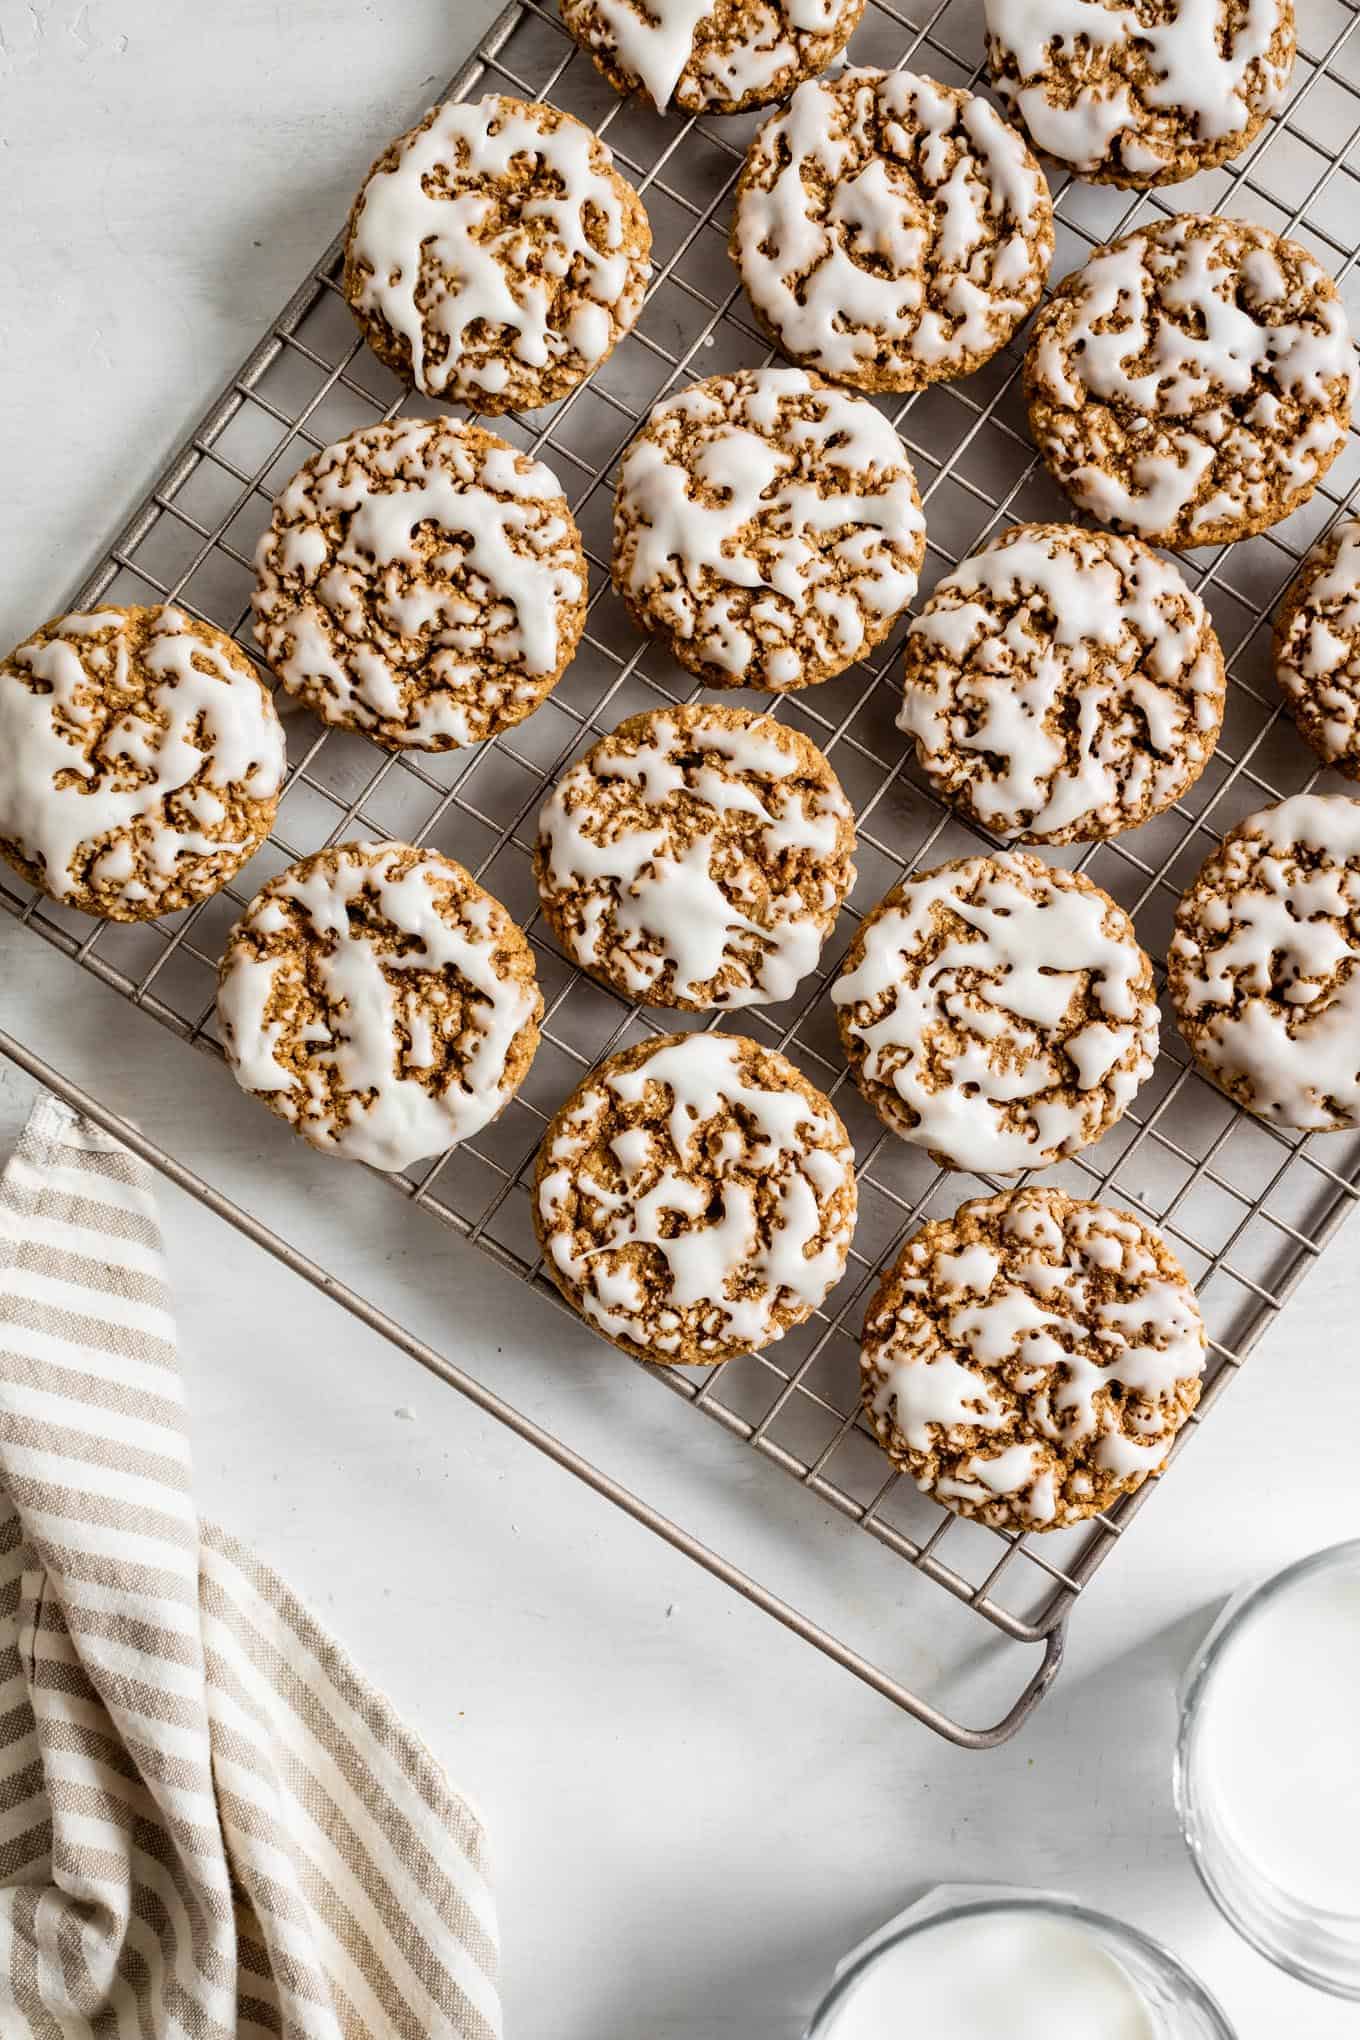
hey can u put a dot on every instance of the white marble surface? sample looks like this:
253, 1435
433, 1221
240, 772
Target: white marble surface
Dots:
694, 1814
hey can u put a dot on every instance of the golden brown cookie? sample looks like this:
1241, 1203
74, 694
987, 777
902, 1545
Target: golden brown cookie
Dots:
695, 1198
141, 761
890, 231
696, 857
1192, 382
1264, 966
1142, 92
1062, 685
422, 582
496, 255
1317, 648
711, 56
768, 528
1031, 1359
998, 1012
380, 1001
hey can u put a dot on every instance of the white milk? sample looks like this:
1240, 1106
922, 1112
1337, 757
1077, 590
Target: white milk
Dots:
1280, 1742
1025, 1977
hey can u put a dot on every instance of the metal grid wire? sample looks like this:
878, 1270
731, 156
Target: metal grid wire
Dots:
1246, 1207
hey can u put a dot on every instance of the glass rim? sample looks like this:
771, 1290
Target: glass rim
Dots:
1252, 1604
1048, 1903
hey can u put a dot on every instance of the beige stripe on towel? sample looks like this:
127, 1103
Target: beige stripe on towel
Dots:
211, 1827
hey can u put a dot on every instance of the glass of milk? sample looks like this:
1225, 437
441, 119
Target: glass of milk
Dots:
1029, 1966
1268, 1768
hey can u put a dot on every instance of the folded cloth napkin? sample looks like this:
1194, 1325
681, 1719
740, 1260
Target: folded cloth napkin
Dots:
210, 1825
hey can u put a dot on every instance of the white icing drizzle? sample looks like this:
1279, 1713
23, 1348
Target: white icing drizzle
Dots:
932, 247
388, 1117
1032, 1334
1218, 348
373, 625
1208, 64
805, 491
653, 41
71, 777
1318, 659
1049, 621
722, 1272
1265, 961
965, 1006
499, 270
653, 905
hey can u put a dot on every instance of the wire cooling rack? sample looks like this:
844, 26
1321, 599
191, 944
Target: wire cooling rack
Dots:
1247, 1208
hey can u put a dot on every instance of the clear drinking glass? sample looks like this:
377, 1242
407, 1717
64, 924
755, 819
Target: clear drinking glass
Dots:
1165, 2001
1268, 1768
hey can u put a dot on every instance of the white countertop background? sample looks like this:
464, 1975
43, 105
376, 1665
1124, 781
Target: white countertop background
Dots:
694, 1815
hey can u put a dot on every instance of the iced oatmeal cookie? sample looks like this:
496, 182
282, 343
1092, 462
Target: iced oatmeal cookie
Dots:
421, 582
768, 527
141, 761
711, 56
1317, 648
1031, 1359
1142, 92
496, 255
890, 231
1264, 966
695, 1198
379, 1001
998, 1012
1192, 382
1062, 685
697, 857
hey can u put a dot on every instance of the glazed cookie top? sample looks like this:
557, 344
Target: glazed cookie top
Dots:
1264, 966
141, 760
891, 230
697, 857
711, 56
769, 525
1032, 1358
422, 582
1317, 648
696, 1197
1062, 685
1140, 92
1193, 381
495, 254
998, 1012
380, 1001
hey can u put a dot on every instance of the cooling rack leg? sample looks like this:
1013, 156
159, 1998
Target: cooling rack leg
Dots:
533, 1434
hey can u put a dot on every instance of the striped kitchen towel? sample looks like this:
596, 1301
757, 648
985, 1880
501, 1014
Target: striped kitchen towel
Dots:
210, 1825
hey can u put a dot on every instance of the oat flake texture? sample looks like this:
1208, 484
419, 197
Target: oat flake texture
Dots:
711, 56
890, 231
695, 1198
1141, 92
1317, 648
1062, 685
496, 255
1264, 965
422, 582
768, 527
1192, 382
696, 858
379, 1001
998, 1012
1031, 1359
141, 761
